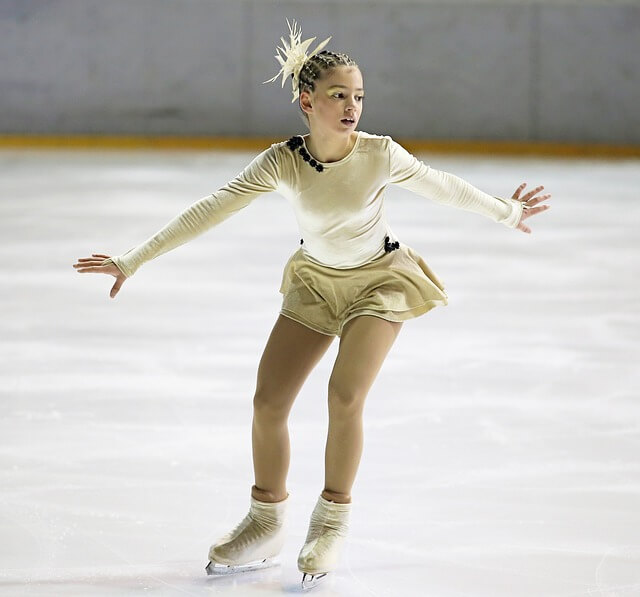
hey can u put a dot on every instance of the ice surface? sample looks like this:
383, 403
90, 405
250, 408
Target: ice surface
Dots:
502, 435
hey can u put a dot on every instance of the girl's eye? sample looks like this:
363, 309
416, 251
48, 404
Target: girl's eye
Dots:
361, 97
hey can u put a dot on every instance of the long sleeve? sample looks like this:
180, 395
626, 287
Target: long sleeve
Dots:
262, 175
410, 173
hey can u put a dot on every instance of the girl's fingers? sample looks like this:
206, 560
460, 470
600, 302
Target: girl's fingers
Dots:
517, 193
88, 263
95, 266
537, 210
532, 193
537, 200
524, 228
116, 288
533, 211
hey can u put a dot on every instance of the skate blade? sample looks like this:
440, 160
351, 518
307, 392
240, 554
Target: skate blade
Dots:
311, 580
216, 569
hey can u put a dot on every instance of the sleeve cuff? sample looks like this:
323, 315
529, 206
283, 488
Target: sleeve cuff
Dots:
513, 218
115, 261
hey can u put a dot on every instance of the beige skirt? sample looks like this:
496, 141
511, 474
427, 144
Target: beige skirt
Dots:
397, 286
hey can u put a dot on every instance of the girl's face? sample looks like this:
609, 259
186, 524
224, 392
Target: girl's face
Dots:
338, 95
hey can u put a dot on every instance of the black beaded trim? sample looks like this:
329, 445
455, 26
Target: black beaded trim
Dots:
296, 142
388, 247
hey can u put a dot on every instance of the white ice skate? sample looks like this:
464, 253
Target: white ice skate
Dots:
327, 532
254, 543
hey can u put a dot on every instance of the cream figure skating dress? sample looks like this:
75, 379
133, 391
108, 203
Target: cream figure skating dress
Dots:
349, 262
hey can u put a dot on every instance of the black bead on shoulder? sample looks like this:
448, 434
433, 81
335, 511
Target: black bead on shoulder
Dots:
296, 142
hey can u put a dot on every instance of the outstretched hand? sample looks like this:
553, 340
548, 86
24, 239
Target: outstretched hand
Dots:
529, 200
92, 264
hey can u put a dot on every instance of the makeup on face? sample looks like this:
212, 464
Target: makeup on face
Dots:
346, 122
344, 87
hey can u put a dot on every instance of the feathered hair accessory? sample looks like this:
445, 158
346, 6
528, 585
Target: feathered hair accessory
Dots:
295, 57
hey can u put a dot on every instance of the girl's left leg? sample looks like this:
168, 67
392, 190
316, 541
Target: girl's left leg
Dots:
364, 344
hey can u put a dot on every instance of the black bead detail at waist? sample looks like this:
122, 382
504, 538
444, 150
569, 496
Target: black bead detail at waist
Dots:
388, 246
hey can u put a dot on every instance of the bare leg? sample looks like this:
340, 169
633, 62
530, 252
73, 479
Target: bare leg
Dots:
291, 353
364, 344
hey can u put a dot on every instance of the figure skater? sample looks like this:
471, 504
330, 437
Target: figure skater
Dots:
351, 277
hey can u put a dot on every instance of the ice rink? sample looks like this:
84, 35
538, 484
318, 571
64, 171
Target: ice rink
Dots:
502, 435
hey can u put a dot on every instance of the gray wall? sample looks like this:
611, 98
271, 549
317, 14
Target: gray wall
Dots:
507, 70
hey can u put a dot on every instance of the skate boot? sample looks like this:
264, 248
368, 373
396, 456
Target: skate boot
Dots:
327, 533
254, 543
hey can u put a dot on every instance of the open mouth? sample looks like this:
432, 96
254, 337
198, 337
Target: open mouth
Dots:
348, 121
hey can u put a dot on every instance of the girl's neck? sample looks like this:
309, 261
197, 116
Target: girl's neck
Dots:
330, 149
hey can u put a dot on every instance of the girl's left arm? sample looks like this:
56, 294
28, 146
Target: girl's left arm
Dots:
410, 173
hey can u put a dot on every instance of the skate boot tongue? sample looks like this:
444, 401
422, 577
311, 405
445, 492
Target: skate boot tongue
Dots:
332, 515
268, 514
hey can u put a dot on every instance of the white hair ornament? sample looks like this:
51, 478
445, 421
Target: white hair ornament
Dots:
295, 57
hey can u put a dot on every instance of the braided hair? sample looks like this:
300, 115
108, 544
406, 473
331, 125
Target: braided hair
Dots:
314, 69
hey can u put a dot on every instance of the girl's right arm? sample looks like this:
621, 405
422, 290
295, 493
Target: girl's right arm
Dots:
262, 175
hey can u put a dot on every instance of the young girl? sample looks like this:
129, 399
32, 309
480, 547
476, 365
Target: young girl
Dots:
350, 278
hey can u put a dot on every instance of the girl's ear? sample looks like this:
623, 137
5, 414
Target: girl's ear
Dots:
305, 101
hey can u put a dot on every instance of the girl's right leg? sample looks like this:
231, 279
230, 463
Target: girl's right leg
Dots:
291, 353
289, 356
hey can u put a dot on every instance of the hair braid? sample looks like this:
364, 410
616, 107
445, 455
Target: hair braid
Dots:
305, 68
